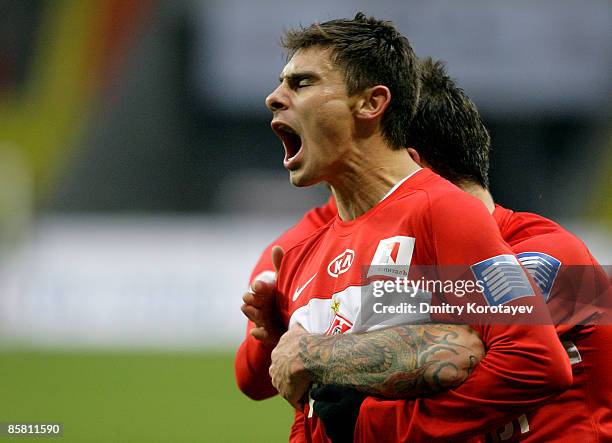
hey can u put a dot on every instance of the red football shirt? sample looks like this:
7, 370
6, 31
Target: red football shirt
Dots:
581, 413
426, 221
577, 290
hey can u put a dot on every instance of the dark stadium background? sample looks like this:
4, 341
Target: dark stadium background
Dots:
139, 180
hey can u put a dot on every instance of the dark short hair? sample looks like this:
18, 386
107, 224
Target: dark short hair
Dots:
370, 52
447, 130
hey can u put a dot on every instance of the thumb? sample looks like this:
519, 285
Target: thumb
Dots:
277, 257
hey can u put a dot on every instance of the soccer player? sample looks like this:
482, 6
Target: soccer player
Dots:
340, 131
449, 137
253, 356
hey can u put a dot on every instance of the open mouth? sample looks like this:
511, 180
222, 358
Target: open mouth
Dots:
290, 138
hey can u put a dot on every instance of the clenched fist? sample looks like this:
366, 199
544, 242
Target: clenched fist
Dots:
289, 375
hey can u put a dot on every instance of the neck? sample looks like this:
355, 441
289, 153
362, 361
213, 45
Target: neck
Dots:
368, 176
480, 193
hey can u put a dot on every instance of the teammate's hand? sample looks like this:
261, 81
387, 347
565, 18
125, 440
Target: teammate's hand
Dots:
289, 376
260, 303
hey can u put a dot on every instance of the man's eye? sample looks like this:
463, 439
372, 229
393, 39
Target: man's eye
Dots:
303, 84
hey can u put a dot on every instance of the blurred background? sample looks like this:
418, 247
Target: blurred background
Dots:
139, 181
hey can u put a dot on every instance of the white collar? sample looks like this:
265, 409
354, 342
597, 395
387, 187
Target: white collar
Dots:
399, 183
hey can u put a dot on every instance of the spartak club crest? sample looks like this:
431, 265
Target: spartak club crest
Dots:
339, 324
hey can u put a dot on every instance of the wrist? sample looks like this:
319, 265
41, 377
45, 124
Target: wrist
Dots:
300, 366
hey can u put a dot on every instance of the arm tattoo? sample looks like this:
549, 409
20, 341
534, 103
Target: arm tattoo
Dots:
399, 362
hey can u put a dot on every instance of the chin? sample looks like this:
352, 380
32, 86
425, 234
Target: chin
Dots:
300, 180
296, 180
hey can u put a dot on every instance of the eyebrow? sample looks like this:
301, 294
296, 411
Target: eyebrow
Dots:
297, 76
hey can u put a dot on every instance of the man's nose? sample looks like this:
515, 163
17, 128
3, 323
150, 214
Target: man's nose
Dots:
276, 100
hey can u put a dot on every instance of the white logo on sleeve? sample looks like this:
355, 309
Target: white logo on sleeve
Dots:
543, 268
503, 279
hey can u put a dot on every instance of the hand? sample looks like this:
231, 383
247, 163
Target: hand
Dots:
289, 376
260, 303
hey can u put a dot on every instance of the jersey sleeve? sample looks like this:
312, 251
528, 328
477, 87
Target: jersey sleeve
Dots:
567, 275
524, 365
251, 364
253, 358
297, 433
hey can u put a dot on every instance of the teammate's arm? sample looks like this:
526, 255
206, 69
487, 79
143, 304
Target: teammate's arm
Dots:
260, 304
251, 367
252, 359
253, 356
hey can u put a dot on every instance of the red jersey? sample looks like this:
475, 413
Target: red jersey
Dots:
426, 221
253, 358
571, 280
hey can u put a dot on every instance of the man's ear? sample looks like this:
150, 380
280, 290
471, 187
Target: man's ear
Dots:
373, 102
416, 157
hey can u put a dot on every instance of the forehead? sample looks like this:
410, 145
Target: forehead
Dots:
314, 59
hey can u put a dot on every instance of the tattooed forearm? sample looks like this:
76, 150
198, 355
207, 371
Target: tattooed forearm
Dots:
399, 362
